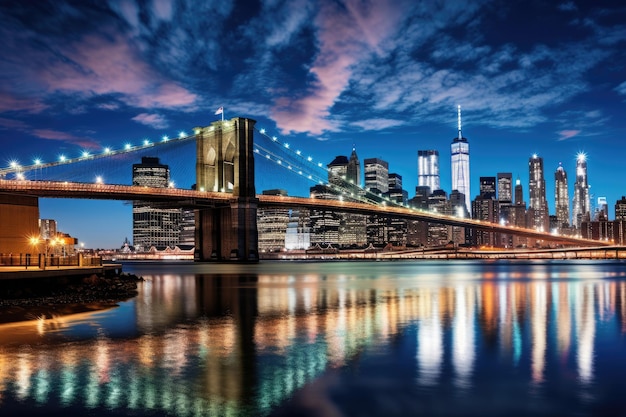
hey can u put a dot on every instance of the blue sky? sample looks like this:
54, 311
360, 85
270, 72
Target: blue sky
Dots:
543, 77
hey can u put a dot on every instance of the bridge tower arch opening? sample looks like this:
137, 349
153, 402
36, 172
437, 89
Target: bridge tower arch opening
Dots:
225, 163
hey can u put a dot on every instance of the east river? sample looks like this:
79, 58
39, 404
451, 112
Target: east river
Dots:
454, 338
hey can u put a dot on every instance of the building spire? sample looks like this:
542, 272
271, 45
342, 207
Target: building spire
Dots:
459, 116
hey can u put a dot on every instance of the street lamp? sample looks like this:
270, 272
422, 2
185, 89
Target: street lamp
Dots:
34, 241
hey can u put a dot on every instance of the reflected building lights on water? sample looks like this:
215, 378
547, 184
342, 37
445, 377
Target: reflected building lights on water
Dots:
563, 312
586, 332
463, 337
309, 324
429, 341
538, 323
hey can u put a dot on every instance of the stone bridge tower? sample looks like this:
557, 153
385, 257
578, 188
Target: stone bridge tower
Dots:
225, 163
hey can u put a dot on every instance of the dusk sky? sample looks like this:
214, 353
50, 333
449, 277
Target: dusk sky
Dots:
543, 77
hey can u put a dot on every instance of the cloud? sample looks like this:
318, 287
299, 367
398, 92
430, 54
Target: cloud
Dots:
155, 121
575, 122
12, 124
100, 65
51, 134
568, 134
287, 20
179, 36
568, 7
345, 36
81, 64
491, 82
163, 9
621, 89
108, 106
378, 124
10, 102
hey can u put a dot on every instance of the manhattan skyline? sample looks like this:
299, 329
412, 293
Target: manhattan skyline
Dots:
532, 78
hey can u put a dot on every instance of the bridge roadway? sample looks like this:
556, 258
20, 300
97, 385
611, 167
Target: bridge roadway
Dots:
200, 199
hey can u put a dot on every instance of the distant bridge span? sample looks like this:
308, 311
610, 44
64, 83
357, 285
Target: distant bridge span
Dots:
200, 199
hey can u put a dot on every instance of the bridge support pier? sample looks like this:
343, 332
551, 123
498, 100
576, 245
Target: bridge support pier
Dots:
225, 163
228, 233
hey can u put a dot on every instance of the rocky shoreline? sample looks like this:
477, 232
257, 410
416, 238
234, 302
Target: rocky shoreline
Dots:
23, 300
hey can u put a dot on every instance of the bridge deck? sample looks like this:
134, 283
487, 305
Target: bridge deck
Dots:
199, 199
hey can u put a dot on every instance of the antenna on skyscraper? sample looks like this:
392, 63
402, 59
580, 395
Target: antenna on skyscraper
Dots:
459, 113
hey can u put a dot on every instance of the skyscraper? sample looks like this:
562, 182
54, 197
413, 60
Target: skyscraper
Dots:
537, 191
580, 208
376, 174
519, 193
353, 174
516, 214
505, 182
338, 171
152, 226
561, 197
460, 164
428, 169
601, 211
47, 229
488, 187
620, 209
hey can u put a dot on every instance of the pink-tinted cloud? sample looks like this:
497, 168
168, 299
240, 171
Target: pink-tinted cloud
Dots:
568, 134
153, 120
50, 134
9, 102
12, 124
97, 65
346, 36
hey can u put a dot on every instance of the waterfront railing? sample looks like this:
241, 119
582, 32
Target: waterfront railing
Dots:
42, 261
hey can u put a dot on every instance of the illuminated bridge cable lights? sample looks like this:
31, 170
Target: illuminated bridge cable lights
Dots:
287, 147
316, 172
62, 159
304, 167
277, 161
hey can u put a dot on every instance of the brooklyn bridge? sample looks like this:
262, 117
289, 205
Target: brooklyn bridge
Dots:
225, 200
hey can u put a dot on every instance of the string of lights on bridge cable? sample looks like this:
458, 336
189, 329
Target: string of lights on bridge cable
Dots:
18, 170
315, 172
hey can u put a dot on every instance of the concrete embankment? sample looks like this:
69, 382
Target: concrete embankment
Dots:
46, 293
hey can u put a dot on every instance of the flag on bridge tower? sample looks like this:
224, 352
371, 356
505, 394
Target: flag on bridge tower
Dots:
220, 111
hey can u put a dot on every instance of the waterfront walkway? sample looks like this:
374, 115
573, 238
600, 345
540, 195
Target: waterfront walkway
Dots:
29, 272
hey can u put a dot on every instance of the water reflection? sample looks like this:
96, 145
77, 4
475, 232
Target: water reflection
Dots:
236, 342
